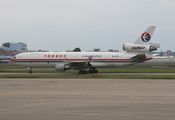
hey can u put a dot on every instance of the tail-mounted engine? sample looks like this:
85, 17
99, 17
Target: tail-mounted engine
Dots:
62, 67
130, 47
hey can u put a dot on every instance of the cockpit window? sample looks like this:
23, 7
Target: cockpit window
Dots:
14, 57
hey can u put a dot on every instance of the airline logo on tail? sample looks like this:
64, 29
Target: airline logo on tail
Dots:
146, 37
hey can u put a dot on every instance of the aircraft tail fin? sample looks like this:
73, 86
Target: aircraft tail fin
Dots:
146, 36
142, 44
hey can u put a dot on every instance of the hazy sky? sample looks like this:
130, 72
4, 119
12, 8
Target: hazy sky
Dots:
66, 24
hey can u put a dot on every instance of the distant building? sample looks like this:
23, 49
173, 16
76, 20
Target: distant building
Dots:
116, 50
41, 51
20, 47
11, 49
110, 50
169, 52
173, 53
96, 49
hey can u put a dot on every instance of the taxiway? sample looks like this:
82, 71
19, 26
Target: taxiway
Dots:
87, 99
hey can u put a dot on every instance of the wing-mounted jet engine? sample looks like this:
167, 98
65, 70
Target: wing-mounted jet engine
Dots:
62, 67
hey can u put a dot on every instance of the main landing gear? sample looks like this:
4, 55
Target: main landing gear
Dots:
90, 71
30, 70
82, 72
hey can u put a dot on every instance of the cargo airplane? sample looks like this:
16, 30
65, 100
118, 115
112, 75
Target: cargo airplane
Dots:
135, 53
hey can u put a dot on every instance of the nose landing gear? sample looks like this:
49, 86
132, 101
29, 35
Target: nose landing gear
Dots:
30, 70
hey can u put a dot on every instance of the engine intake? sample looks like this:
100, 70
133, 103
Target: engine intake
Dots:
62, 67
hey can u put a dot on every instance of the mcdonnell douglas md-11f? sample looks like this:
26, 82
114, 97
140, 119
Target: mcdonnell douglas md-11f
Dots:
135, 53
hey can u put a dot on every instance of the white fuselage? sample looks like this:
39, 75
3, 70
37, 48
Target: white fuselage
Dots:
62, 61
99, 59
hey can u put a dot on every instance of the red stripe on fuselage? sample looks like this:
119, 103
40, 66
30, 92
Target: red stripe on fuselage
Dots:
13, 60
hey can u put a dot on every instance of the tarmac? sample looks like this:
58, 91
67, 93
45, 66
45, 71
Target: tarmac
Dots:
87, 99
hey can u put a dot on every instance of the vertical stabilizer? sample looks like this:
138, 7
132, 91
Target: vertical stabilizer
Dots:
146, 36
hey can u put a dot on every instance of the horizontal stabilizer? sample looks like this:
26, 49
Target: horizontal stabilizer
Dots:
138, 57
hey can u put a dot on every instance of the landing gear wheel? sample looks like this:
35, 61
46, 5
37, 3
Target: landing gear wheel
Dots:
30, 72
95, 71
85, 72
90, 71
82, 72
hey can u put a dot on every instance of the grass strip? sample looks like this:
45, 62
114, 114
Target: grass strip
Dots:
117, 70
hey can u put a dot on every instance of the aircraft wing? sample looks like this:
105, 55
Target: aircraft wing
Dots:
81, 63
139, 57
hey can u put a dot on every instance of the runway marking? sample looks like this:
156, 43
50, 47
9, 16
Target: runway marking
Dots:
42, 101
